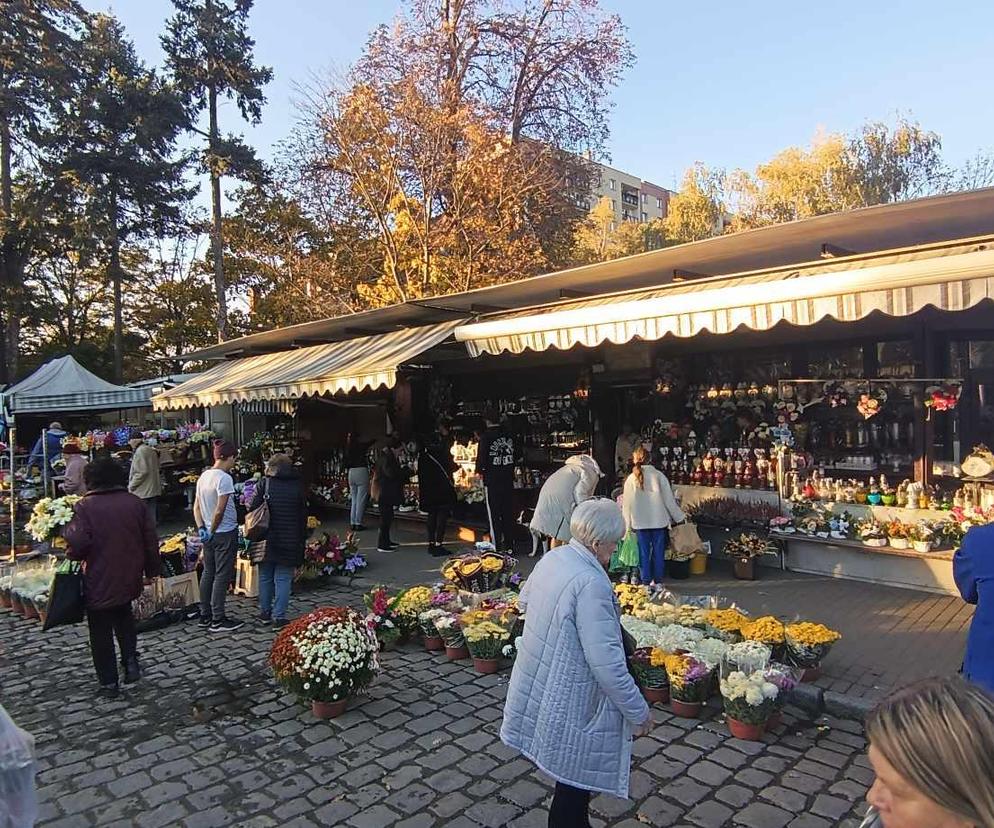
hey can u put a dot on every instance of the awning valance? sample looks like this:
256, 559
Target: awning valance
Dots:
365, 362
951, 282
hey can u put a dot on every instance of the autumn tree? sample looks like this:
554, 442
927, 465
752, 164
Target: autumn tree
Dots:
209, 52
697, 210
37, 44
115, 139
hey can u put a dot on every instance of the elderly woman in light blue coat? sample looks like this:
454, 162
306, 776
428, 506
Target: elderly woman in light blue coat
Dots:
572, 706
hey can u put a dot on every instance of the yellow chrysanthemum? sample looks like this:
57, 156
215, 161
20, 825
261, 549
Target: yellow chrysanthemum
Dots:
766, 629
811, 635
728, 620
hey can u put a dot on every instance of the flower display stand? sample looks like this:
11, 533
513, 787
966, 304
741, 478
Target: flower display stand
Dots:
246, 578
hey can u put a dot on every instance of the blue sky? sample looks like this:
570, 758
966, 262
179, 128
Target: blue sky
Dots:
724, 83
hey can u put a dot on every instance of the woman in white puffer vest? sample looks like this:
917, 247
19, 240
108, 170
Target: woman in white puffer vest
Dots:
574, 483
650, 509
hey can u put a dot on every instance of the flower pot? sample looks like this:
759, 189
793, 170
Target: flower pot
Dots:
775, 720
811, 673
741, 730
874, 541
486, 665
23, 548
457, 653
873, 498
656, 695
745, 569
678, 570
899, 543
434, 643
29, 608
921, 546
888, 499
5, 599
15, 603
328, 710
685, 710
699, 564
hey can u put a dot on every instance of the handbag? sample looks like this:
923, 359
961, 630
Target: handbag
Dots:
257, 520
65, 596
685, 540
375, 487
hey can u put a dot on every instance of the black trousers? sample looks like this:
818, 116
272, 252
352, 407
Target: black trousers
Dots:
438, 519
501, 502
386, 521
104, 625
569, 807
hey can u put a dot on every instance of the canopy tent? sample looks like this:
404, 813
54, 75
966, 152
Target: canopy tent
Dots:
365, 362
949, 280
63, 385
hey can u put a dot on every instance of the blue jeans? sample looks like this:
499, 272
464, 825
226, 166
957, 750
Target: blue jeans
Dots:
652, 553
278, 578
359, 493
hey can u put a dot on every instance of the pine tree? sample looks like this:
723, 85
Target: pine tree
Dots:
116, 152
209, 53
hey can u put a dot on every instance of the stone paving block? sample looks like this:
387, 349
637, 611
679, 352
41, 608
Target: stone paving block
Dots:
214, 818
728, 758
784, 798
833, 807
162, 792
802, 782
379, 816
417, 821
662, 768
412, 798
524, 793
656, 811
169, 813
760, 815
709, 773
610, 806
734, 795
492, 814
682, 753
754, 778
685, 791
709, 814
452, 803
334, 812
809, 821
126, 785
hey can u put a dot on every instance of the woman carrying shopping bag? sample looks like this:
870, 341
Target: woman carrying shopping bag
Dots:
650, 509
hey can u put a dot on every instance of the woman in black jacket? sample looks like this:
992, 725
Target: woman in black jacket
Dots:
390, 478
285, 538
437, 490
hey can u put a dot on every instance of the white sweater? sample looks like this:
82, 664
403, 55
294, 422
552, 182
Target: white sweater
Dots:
652, 506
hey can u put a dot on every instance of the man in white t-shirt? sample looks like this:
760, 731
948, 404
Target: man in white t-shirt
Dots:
217, 522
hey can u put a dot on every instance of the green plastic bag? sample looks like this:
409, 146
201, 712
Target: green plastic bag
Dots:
615, 564
628, 552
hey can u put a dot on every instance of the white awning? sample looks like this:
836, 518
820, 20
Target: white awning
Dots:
366, 362
951, 282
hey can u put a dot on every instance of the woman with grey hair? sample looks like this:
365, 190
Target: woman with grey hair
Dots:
572, 706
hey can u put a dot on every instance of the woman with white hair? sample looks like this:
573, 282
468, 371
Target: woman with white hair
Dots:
567, 487
572, 706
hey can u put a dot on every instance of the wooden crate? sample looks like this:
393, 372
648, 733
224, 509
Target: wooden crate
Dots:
246, 578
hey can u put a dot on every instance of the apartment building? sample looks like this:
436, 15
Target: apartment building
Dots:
632, 198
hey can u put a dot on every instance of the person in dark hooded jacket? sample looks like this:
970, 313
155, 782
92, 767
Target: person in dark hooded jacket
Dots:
285, 539
112, 535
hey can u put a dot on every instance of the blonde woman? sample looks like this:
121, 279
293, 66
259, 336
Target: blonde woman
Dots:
932, 749
650, 509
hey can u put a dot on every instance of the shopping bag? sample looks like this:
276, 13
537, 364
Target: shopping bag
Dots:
685, 540
628, 555
257, 520
65, 596
615, 564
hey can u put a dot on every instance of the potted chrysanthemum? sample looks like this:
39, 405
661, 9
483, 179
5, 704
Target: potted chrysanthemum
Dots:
690, 681
648, 666
426, 620
785, 678
486, 641
749, 701
450, 629
326, 657
807, 646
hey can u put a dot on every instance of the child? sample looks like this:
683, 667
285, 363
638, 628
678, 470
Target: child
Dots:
629, 572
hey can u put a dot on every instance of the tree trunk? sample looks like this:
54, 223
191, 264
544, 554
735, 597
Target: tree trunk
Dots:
115, 277
217, 245
8, 310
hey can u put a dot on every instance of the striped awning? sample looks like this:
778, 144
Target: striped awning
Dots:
338, 367
898, 288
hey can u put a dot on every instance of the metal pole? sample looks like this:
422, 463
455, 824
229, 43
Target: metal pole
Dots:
11, 448
44, 461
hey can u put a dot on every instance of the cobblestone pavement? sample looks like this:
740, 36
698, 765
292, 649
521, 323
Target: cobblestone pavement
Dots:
207, 739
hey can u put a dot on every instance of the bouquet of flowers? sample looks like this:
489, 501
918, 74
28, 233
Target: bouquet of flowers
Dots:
785, 678
710, 650
747, 655
725, 624
871, 532
450, 629
648, 665
631, 596
426, 620
381, 619
782, 524
836, 394
942, 397
408, 606
748, 545
808, 643
478, 573
328, 555
485, 639
327, 655
689, 677
921, 533
172, 551
871, 403
248, 490
750, 698
49, 515
674, 638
